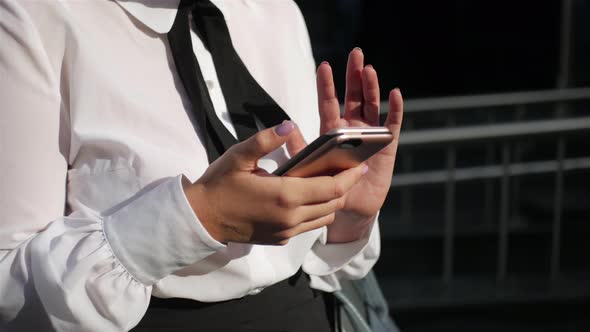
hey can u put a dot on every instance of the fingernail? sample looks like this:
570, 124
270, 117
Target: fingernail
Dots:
370, 66
325, 63
365, 169
285, 128
358, 49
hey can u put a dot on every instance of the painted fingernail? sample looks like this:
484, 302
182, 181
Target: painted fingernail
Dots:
365, 169
285, 128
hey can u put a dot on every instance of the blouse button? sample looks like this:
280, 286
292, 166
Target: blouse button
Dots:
256, 291
210, 84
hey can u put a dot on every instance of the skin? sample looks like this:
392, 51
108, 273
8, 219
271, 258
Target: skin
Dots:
267, 209
361, 108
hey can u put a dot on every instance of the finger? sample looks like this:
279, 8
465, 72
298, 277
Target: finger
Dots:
303, 191
394, 120
372, 100
353, 100
295, 142
314, 211
396, 112
328, 104
263, 143
290, 218
283, 237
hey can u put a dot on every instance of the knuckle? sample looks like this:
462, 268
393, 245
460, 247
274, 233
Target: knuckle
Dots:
290, 234
286, 200
372, 104
284, 236
289, 220
340, 204
258, 142
338, 189
232, 149
232, 153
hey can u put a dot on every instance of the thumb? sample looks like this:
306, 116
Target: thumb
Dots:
264, 142
295, 142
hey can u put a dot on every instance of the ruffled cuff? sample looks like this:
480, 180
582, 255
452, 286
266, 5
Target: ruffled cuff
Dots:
328, 262
158, 233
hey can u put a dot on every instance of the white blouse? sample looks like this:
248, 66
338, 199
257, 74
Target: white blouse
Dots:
95, 137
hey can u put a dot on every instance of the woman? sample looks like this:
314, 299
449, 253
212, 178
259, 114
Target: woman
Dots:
107, 193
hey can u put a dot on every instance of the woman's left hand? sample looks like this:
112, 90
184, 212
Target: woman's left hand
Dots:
361, 108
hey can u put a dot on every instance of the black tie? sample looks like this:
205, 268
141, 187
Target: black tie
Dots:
244, 97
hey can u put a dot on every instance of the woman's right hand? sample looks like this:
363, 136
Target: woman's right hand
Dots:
238, 202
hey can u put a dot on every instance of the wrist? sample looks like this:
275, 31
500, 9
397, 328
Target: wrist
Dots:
349, 227
197, 198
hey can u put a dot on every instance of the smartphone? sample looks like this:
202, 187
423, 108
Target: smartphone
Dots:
335, 151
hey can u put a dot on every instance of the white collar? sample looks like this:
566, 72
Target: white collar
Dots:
157, 15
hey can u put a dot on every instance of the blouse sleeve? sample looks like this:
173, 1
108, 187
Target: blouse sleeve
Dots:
89, 271
327, 263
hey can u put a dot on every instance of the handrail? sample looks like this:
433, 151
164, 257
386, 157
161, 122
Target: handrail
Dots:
488, 172
495, 131
492, 100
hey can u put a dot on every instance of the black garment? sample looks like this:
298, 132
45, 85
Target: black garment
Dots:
289, 306
244, 97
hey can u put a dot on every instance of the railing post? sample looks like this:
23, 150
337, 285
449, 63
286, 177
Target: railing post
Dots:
515, 198
449, 231
449, 245
565, 47
489, 183
504, 214
557, 209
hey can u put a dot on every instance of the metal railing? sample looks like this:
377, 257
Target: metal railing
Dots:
559, 126
493, 100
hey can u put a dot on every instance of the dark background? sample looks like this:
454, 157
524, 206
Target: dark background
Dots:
437, 48
452, 48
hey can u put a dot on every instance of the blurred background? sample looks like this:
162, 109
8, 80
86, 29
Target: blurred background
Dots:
487, 224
